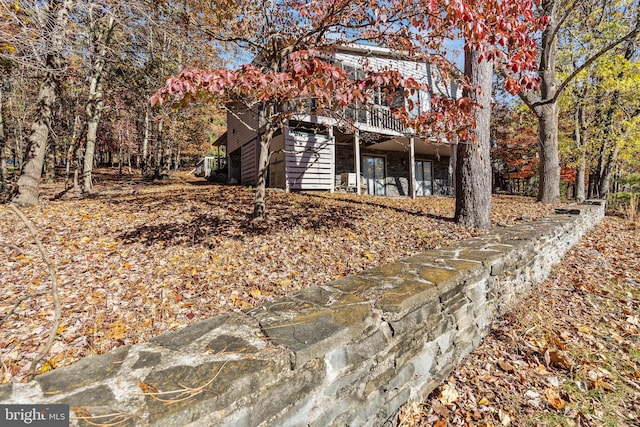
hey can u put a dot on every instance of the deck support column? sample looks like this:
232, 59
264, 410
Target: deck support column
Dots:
412, 166
356, 155
332, 141
454, 162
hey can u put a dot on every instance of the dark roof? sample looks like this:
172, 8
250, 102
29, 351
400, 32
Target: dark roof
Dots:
222, 140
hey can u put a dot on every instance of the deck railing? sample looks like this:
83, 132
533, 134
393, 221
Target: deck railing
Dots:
374, 116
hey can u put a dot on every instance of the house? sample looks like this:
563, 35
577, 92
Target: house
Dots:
319, 153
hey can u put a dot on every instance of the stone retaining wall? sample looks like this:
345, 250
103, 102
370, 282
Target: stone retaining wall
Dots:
349, 352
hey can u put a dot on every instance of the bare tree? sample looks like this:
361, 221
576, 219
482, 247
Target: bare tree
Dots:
54, 30
101, 26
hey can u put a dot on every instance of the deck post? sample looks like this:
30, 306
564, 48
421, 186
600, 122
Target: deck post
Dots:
356, 155
454, 162
412, 166
332, 141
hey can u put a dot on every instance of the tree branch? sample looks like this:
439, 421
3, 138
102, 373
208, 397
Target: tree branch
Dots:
629, 36
54, 290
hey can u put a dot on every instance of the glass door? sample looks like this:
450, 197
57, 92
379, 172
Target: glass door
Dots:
424, 181
374, 168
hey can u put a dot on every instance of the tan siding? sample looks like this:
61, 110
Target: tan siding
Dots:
249, 160
242, 127
277, 177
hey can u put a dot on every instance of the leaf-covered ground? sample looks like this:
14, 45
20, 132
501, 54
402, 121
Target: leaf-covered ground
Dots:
568, 355
137, 259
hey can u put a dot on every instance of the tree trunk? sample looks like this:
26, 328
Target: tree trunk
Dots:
120, 153
549, 186
3, 147
579, 125
159, 155
50, 163
29, 181
473, 169
259, 207
580, 177
547, 111
144, 150
604, 181
100, 38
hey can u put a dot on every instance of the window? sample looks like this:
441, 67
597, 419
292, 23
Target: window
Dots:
424, 180
374, 175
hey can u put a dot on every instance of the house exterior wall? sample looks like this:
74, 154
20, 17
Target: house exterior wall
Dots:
242, 136
249, 169
277, 177
397, 169
421, 72
242, 127
309, 161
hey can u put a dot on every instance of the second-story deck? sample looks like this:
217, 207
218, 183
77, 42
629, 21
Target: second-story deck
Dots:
371, 118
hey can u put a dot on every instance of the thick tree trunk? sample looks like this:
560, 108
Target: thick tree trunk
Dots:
473, 169
29, 180
547, 111
549, 186
94, 110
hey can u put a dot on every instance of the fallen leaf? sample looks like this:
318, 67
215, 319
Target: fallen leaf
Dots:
440, 409
618, 338
584, 329
506, 366
448, 394
554, 399
559, 359
505, 418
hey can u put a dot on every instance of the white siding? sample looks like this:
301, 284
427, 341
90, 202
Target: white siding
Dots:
421, 72
309, 161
